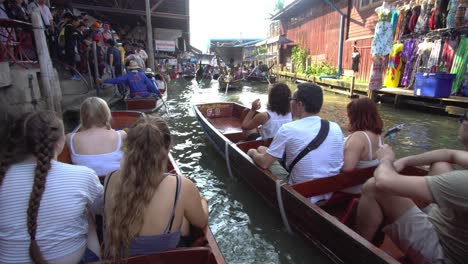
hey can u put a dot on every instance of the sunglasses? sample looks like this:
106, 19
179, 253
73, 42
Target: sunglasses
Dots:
463, 118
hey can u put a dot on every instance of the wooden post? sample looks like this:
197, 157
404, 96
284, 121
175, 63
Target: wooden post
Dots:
351, 92
96, 68
149, 33
45, 64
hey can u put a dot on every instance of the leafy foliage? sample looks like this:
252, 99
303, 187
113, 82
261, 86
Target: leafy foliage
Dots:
321, 68
298, 59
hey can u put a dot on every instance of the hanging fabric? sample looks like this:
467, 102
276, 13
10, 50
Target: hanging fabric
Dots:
448, 53
375, 82
393, 75
434, 58
424, 51
459, 64
409, 56
460, 13
452, 9
422, 25
414, 18
383, 36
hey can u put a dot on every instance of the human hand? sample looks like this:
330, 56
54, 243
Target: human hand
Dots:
251, 152
256, 105
385, 152
399, 164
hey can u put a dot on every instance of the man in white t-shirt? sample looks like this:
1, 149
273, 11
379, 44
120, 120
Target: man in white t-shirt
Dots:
293, 137
47, 17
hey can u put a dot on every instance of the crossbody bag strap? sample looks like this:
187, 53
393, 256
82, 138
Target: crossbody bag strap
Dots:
315, 143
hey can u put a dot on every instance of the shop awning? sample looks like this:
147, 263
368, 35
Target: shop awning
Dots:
278, 39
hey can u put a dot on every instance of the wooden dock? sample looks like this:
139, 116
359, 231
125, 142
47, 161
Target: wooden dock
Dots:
454, 105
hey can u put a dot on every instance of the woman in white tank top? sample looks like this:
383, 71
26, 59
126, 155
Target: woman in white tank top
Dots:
96, 145
365, 125
265, 125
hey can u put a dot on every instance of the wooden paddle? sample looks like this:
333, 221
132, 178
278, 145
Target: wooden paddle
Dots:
228, 79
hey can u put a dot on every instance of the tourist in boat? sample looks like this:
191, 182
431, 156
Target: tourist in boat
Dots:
365, 125
292, 138
43, 203
265, 125
160, 82
435, 234
96, 145
144, 206
139, 84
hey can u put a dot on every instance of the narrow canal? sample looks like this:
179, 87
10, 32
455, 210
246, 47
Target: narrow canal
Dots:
246, 230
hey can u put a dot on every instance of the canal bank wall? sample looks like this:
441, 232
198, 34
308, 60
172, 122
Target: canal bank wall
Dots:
454, 105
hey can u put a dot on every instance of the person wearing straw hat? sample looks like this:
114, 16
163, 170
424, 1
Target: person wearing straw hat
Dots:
139, 84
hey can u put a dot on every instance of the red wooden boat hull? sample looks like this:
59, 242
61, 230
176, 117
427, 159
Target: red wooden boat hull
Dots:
221, 123
146, 104
205, 250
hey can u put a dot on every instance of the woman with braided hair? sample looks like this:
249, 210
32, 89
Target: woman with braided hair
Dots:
43, 203
145, 207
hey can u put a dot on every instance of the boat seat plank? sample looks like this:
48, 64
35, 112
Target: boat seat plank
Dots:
141, 103
197, 255
227, 125
333, 183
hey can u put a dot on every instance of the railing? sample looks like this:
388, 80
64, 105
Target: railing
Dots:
15, 36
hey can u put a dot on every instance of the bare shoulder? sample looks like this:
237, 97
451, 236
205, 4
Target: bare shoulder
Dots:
123, 134
68, 138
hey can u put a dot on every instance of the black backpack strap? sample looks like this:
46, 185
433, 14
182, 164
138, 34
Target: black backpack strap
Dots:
315, 143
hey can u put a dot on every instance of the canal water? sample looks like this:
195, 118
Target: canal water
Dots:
246, 229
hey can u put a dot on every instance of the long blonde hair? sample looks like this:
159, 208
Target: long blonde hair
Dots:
144, 163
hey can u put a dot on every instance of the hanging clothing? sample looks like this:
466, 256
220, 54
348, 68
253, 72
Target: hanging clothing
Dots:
394, 21
356, 56
460, 13
452, 10
399, 27
408, 56
424, 51
422, 26
414, 18
375, 80
441, 14
405, 25
434, 58
383, 37
459, 64
448, 53
393, 75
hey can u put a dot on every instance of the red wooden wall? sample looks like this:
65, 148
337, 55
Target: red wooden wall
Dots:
320, 33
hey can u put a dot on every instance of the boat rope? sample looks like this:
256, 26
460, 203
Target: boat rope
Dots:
226, 154
281, 206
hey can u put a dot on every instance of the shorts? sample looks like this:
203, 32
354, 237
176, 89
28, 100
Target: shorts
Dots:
416, 236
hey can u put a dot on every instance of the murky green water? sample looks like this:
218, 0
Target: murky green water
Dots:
246, 229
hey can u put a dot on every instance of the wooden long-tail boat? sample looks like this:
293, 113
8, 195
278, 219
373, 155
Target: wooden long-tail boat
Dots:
204, 249
147, 104
235, 85
262, 79
329, 227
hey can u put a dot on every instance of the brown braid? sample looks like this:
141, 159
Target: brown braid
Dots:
44, 153
33, 134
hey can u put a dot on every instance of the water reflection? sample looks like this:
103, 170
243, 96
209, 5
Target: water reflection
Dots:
247, 230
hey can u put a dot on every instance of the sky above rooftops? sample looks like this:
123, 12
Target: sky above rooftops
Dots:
227, 19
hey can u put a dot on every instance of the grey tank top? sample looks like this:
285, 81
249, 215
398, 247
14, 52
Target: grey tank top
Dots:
146, 245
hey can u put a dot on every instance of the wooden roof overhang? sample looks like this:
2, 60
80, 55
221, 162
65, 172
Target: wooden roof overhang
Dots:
172, 14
